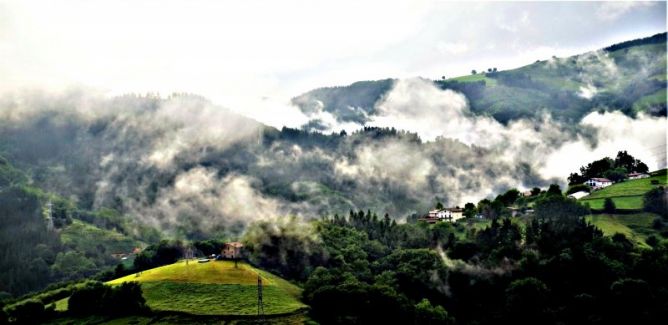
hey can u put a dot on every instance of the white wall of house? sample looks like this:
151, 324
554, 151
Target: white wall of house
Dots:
597, 183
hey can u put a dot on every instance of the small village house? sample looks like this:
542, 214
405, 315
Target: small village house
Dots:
232, 250
448, 214
636, 176
597, 183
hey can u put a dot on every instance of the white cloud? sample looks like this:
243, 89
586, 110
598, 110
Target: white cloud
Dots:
611, 10
643, 137
588, 91
417, 105
453, 47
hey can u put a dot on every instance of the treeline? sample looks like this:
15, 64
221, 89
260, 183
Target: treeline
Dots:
33, 224
552, 268
654, 39
612, 169
85, 299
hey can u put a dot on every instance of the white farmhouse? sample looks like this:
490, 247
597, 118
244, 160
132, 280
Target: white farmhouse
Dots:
598, 182
448, 214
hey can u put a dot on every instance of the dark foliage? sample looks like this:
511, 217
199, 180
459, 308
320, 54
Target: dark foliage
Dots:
656, 201
654, 39
163, 253
98, 299
615, 170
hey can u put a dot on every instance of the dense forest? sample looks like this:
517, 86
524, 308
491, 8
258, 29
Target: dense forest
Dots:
552, 268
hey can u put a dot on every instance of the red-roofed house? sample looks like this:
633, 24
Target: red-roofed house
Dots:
232, 250
637, 175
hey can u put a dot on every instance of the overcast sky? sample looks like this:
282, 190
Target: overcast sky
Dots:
252, 56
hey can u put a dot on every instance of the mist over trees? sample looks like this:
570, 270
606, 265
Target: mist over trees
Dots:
615, 170
551, 268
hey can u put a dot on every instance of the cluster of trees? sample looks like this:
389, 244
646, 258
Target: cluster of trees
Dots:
551, 268
654, 39
497, 208
97, 298
85, 298
656, 201
489, 70
612, 169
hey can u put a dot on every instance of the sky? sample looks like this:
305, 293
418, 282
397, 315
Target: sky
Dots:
253, 56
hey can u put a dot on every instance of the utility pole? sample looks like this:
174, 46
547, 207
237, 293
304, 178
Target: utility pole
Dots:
260, 306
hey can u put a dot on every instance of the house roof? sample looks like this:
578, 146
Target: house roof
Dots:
635, 174
578, 195
603, 180
454, 210
234, 244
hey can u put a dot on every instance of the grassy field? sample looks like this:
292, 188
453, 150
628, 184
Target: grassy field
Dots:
626, 195
621, 202
213, 288
636, 227
294, 319
475, 77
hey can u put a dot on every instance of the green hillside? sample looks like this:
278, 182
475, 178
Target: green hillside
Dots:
636, 227
627, 194
212, 288
629, 76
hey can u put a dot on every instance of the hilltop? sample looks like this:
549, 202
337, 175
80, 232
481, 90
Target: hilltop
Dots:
629, 76
212, 288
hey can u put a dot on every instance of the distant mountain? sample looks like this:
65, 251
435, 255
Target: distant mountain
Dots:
629, 76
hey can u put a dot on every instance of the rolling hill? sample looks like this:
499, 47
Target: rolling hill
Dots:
636, 227
627, 195
212, 288
629, 76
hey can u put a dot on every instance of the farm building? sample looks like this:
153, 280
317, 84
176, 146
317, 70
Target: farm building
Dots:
448, 214
598, 182
636, 176
232, 250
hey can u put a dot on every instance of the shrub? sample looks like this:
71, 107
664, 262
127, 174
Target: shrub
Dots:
98, 299
657, 223
27, 312
609, 205
656, 201
652, 241
425, 313
578, 188
87, 300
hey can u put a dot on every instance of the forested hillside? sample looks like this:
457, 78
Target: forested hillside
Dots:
629, 76
44, 238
